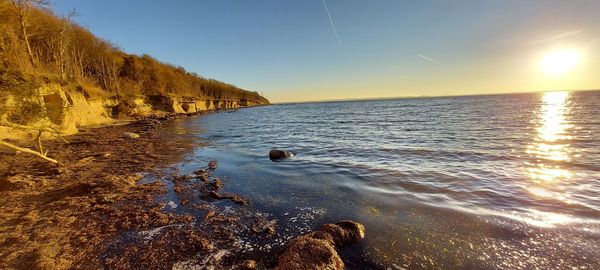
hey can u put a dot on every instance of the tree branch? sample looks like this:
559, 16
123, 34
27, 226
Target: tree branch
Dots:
40, 153
25, 150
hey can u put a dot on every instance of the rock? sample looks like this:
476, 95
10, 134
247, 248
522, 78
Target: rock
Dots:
316, 250
130, 135
323, 236
310, 252
275, 154
345, 232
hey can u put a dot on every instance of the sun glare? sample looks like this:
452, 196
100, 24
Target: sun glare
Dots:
560, 62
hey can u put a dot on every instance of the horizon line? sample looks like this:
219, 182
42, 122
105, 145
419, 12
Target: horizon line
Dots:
426, 96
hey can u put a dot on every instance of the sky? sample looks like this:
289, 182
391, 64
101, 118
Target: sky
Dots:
299, 50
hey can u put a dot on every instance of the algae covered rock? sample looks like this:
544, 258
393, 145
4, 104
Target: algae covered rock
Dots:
316, 250
345, 232
308, 252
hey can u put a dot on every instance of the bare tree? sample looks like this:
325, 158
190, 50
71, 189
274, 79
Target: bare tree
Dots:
64, 43
23, 10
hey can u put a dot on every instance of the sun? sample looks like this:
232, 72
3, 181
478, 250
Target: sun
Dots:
560, 62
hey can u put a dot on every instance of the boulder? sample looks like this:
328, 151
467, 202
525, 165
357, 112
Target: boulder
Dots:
345, 232
316, 250
309, 252
130, 135
275, 154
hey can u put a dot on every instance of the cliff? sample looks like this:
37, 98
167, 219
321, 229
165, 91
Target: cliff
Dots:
55, 73
65, 109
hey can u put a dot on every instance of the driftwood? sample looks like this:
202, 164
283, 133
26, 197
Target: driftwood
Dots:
27, 150
40, 151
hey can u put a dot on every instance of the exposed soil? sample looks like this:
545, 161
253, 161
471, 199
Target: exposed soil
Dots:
93, 212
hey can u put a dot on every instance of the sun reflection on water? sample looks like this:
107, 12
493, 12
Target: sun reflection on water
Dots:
550, 148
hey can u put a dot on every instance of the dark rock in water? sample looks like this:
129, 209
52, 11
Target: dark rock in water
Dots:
275, 154
345, 232
316, 250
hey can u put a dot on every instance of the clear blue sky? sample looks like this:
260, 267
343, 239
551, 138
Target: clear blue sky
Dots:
288, 50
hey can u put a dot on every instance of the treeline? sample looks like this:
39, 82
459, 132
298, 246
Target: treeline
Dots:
34, 42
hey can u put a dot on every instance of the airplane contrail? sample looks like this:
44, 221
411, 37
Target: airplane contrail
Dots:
332, 25
556, 37
427, 58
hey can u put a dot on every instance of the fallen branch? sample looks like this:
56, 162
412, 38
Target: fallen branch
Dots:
41, 152
26, 150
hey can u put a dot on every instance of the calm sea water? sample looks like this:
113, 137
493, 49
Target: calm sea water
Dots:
477, 182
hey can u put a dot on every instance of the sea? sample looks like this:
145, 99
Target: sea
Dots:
507, 181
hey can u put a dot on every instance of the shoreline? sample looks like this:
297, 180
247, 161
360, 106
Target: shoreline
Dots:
120, 202
80, 214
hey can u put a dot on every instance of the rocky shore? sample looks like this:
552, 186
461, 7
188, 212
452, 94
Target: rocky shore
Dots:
99, 209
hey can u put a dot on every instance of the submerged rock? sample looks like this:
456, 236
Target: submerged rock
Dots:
130, 135
316, 250
275, 154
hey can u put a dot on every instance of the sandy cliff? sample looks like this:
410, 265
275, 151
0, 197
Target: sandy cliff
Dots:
51, 105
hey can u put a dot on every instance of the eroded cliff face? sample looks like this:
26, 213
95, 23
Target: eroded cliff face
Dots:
50, 105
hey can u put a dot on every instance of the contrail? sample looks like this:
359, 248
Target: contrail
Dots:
428, 58
556, 37
332, 26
